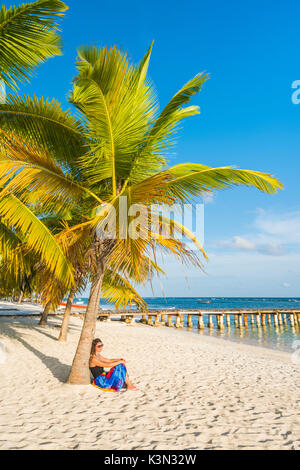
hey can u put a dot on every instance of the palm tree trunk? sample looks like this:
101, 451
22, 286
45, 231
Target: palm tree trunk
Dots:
80, 374
43, 320
65, 324
20, 297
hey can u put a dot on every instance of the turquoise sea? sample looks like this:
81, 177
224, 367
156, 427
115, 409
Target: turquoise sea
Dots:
282, 338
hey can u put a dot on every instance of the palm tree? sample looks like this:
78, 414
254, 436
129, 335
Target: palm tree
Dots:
28, 36
117, 145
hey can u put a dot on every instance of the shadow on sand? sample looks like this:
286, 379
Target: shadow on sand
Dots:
59, 370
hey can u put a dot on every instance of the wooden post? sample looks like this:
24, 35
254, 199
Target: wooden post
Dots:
285, 318
228, 320
200, 322
130, 320
163, 318
156, 320
210, 321
143, 320
149, 322
181, 320
189, 322
236, 321
178, 322
221, 323
280, 319
169, 323
295, 318
252, 319
263, 319
269, 319
258, 320
292, 319
246, 320
275, 316
241, 321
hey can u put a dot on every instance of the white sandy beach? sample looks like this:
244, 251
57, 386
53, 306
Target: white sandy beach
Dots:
196, 392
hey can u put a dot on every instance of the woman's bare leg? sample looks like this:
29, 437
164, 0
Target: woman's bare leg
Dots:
129, 384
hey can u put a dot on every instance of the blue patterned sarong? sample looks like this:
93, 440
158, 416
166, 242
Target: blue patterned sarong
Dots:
111, 381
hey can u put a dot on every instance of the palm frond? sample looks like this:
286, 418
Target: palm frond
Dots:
28, 37
43, 123
27, 170
118, 290
157, 143
118, 107
194, 179
37, 236
167, 225
12, 259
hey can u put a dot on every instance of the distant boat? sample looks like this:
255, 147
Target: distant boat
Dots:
76, 305
203, 301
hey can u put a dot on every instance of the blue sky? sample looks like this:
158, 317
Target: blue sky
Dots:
251, 51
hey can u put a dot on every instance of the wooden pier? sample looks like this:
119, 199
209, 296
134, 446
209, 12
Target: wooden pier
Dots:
219, 319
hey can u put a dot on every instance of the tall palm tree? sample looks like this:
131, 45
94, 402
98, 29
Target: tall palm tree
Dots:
117, 145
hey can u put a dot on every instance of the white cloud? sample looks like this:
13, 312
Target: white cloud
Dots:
284, 228
244, 244
208, 197
271, 234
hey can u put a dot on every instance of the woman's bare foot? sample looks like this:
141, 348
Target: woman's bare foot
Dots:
132, 387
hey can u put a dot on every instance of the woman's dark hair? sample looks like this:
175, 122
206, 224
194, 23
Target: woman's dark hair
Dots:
94, 344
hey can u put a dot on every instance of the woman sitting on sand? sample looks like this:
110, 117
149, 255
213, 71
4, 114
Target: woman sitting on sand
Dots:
115, 378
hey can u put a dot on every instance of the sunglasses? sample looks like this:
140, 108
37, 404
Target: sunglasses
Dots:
99, 346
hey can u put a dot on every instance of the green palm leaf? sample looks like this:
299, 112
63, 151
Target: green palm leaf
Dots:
117, 107
27, 38
157, 143
37, 236
194, 179
43, 123
118, 290
174, 111
33, 174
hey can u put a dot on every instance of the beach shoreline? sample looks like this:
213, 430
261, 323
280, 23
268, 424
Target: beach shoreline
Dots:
277, 339
196, 392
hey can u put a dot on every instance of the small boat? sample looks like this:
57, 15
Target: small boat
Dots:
76, 305
203, 301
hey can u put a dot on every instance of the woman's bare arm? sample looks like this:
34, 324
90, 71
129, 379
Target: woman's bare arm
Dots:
105, 363
109, 360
